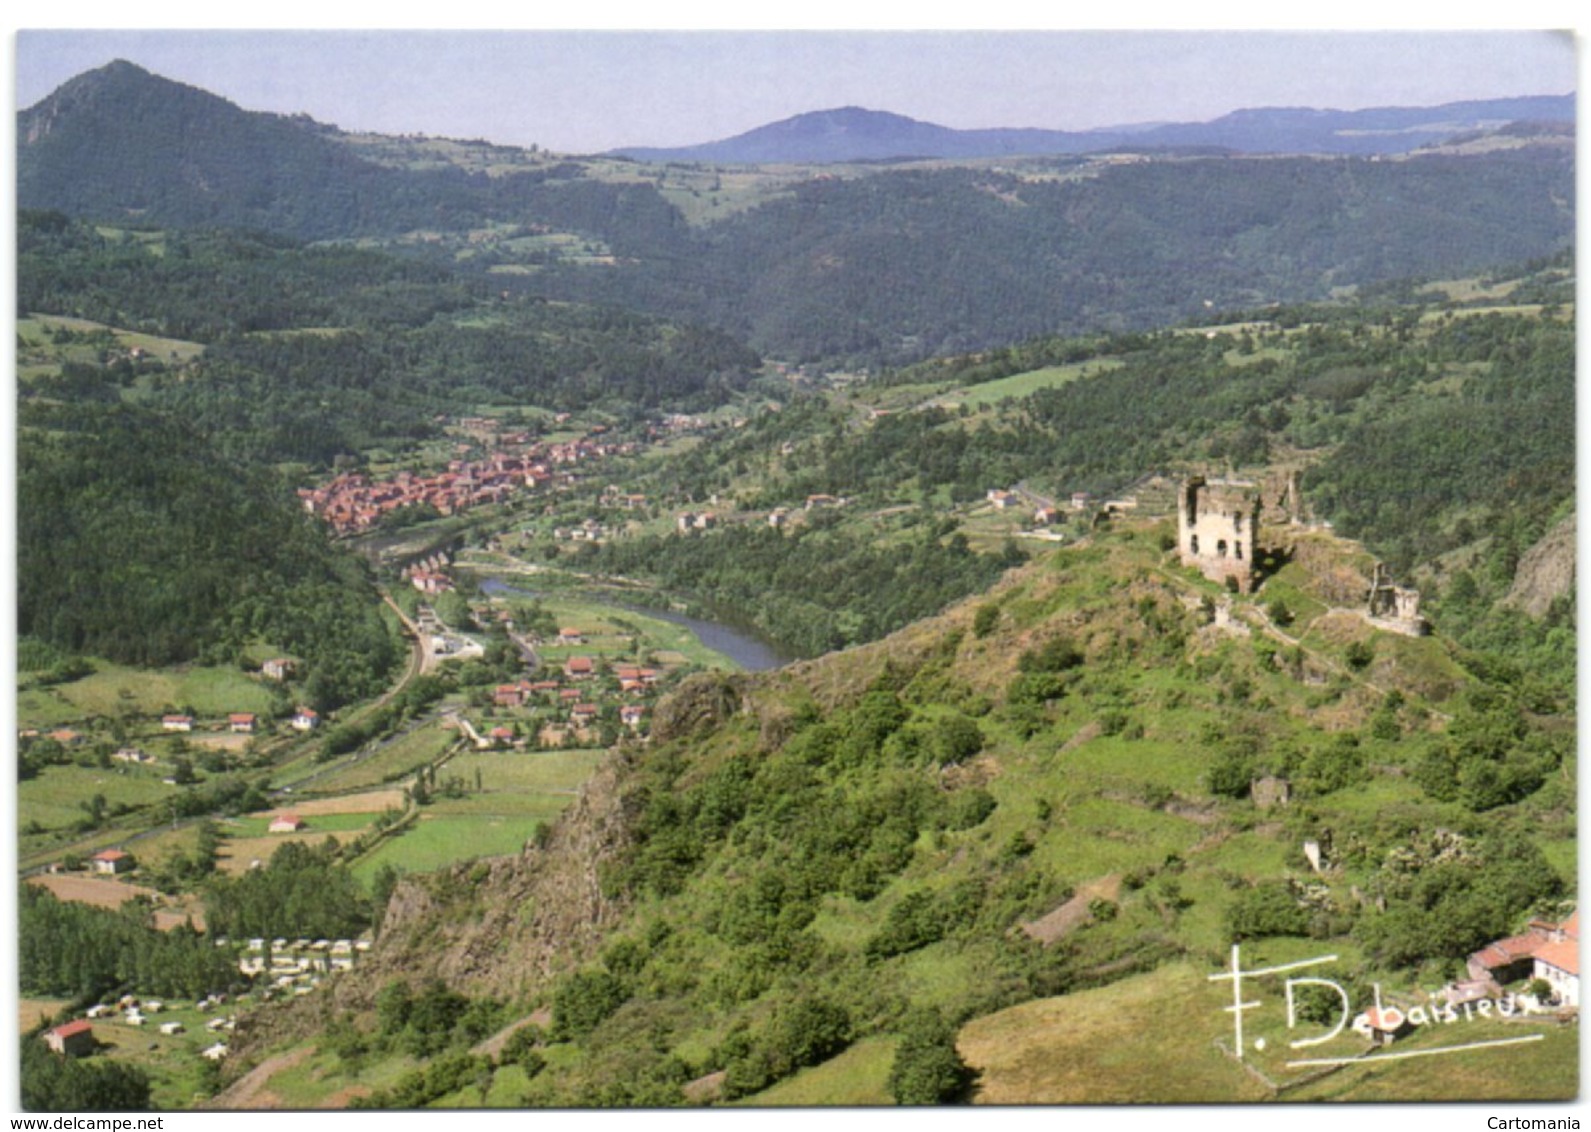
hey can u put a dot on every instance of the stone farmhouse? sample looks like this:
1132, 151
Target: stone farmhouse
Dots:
74, 1039
1544, 950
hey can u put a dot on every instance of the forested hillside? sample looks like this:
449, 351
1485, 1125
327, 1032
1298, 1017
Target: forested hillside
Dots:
1422, 432
813, 272
388, 343
1046, 790
137, 543
996, 257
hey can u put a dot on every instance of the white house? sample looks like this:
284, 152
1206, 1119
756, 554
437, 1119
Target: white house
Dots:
1558, 961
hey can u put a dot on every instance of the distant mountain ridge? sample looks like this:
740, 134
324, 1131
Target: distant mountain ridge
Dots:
814, 270
852, 133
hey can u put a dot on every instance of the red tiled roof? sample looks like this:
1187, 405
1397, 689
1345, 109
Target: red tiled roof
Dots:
1502, 952
109, 855
1562, 954
1388, 1018
72, 1029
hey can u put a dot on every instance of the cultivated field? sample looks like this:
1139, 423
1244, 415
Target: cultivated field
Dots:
98, 891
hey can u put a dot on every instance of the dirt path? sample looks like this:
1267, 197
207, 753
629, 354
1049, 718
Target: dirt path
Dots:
494, 1044
249, 1091
1074, 913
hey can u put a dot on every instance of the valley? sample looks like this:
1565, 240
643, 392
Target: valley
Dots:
610, 649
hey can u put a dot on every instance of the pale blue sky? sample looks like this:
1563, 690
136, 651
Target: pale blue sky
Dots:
579, 92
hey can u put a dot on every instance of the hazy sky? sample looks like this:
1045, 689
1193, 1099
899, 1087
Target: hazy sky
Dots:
584, 91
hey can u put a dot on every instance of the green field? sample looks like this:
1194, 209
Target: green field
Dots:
436, 841
52, 799
509, 777
1112, 1046
855, 1077
114, 690
391, 762
517, 792
1023, 384
259, 826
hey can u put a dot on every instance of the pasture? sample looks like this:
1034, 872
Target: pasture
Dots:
436, 841
1022, 384
115, 690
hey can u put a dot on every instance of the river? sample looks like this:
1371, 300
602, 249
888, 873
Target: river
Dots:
742, 646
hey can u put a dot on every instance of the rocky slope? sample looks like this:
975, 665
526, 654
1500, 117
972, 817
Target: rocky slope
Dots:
1546, 572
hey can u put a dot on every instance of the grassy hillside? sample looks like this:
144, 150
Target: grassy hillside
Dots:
985, 810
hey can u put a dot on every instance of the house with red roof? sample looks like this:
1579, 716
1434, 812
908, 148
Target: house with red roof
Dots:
1546, 951
176, 722
1558, 961
286, 822
1383, 1025
74, 1039
307, 719
109, 862
242, 722
578, 668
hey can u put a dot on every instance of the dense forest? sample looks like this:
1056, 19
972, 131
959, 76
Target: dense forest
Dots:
120, 509
79, 952
995, 257
319, 352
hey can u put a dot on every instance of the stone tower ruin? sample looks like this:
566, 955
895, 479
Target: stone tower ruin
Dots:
1217, 526
1393, 607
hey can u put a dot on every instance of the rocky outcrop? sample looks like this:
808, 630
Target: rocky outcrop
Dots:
1546, 572
701, 703
499, 926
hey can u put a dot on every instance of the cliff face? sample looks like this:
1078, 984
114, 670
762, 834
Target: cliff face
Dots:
500, 926
1546, 572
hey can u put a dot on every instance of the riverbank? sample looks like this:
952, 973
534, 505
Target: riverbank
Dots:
720, 645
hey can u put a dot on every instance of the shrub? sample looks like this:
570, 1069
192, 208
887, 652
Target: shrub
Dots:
583, 1001
1058, 654
969, 808
1269, 908
927, 1068
914, 922
955, 739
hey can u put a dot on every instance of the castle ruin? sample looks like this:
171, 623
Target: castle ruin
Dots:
1217, 526
1393, 607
